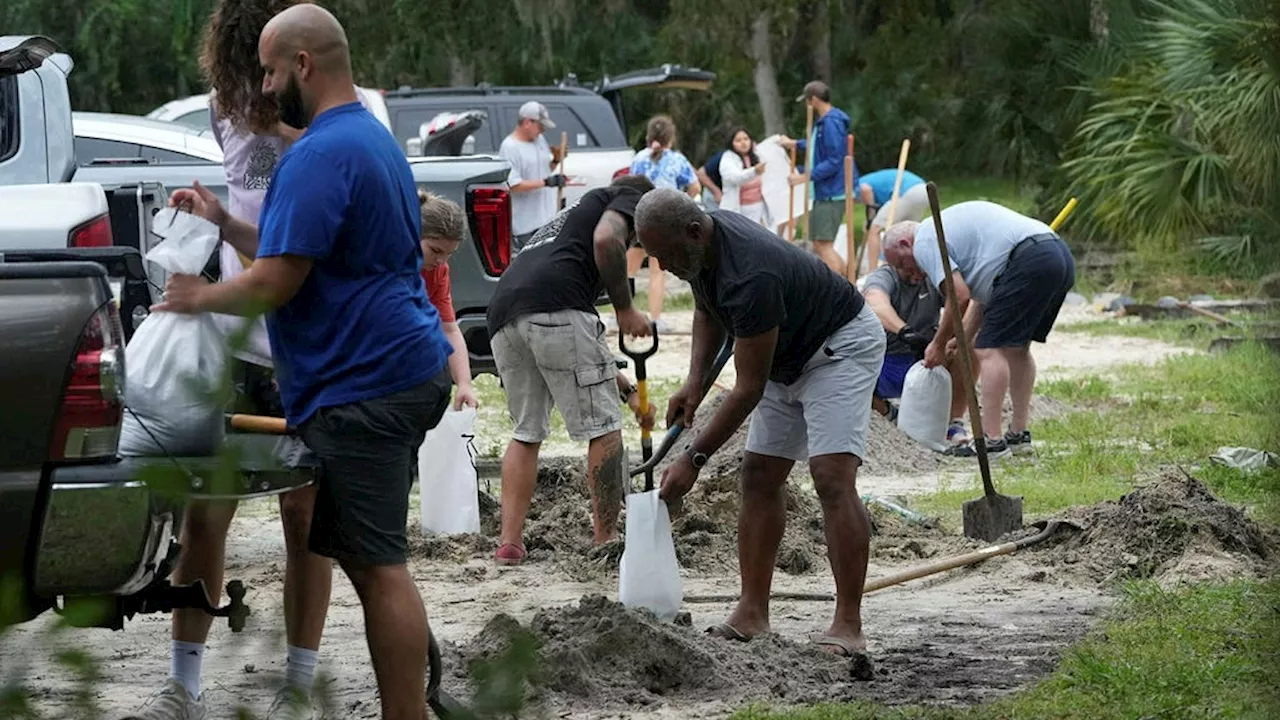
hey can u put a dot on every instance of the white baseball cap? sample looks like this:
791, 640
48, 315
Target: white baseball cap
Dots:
534, 110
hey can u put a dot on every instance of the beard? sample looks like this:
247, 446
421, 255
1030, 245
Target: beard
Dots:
293, 111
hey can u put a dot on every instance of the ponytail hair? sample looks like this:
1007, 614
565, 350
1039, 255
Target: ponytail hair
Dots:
441, 217
660, 133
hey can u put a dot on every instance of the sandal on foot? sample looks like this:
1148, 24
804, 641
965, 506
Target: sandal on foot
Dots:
510, 554
860, 667
728, 632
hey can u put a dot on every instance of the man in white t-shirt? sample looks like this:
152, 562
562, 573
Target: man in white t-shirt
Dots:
1011, 274
533, 185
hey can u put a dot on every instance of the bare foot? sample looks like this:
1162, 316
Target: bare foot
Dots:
744, 623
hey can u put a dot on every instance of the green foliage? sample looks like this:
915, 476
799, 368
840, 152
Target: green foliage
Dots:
1179, 145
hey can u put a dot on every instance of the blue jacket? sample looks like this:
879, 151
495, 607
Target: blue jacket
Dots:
827, 173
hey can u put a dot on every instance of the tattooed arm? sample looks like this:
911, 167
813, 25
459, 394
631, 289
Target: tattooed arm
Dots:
610, 244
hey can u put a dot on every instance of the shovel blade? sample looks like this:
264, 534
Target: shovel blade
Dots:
991, 516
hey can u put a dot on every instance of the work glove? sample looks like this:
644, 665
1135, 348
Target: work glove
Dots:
556, 180
916, 340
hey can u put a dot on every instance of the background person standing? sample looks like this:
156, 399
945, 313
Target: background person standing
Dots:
825, 169
533, 185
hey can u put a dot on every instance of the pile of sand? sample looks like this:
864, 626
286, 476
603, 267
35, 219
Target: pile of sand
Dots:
600, 654
1171, 530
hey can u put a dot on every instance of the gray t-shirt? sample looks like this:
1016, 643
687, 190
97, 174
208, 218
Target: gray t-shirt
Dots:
529, 161
980, 235
918, 304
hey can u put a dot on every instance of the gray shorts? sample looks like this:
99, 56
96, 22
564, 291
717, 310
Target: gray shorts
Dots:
828, 409
558, 359
912, 205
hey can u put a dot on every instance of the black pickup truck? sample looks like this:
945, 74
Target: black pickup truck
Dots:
84, 532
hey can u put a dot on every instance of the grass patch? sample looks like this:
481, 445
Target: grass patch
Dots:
1194, 332
997, 190
1209, 651
1178, 411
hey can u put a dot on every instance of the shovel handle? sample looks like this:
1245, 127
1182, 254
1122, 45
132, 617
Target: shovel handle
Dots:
962, 343
677, 427
260, 424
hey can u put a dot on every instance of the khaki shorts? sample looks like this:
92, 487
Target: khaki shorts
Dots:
560, 360
912, 205
827, 410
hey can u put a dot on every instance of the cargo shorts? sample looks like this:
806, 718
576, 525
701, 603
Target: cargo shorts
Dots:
558, 359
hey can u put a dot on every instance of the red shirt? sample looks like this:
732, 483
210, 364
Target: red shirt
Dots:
438, 291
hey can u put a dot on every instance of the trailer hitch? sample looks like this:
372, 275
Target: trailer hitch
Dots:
165, 597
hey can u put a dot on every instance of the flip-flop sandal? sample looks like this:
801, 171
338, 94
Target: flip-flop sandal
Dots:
728, 632
860, 666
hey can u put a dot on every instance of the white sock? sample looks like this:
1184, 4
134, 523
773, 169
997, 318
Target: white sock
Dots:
300, 668
185, 659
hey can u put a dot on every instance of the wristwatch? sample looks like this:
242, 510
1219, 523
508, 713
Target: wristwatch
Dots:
698, 459
626, 394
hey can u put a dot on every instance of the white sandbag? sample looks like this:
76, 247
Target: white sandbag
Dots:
447, 477
925, 406
649, 575
174, 362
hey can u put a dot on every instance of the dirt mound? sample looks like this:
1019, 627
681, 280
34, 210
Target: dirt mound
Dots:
1170, 530
601, 654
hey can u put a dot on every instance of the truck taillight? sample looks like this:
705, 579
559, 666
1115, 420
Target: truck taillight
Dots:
622, 172
95, 233
88, 422
490, 211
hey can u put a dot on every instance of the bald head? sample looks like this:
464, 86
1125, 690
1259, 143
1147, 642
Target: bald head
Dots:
675, 230
309, 29
306, 63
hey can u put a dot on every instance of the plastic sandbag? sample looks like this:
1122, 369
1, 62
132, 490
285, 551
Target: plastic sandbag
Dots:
447, 477
174, 361
925, 405
649, 574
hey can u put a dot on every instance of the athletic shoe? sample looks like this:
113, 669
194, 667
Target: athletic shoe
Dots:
958, 434
995, 449
510, 554
1018, 442
171, 702
291, 703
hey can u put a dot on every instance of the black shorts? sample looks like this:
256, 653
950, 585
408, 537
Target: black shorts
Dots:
1027, 295
367, 451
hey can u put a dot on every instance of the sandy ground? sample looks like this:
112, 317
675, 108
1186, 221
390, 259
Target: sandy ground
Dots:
958, 637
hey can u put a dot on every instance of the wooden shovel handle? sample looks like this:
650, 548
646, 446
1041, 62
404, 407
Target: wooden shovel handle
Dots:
962, 343
259, 424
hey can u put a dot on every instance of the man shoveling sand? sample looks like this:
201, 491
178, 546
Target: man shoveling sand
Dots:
807, 354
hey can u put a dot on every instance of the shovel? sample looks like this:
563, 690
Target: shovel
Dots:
642, 388
993, 514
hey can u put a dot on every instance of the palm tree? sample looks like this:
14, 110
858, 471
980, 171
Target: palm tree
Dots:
1183, 144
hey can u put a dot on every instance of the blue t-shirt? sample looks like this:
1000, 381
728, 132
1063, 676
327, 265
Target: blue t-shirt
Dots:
881, 182
360, 327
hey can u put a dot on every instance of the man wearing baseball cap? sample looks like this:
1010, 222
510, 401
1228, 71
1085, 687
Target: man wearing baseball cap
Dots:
825, 169
533, 185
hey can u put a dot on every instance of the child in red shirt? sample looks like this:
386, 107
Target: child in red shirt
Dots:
442, 228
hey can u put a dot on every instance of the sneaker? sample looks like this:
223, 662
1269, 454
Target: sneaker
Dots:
291, 703
171, 702
510, 554
1018, 442
958, 434
995, 449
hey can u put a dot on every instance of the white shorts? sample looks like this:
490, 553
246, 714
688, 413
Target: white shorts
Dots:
827, 410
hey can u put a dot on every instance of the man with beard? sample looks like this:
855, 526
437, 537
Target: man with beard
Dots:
360, 354
807, 351
247, 126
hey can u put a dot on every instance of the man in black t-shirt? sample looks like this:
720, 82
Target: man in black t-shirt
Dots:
807, 353
548, 344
